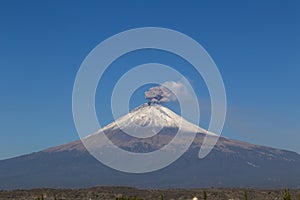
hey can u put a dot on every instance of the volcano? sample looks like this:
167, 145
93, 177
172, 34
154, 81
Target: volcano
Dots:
231, 163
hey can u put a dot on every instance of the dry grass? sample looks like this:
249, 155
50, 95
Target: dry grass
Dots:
111, 193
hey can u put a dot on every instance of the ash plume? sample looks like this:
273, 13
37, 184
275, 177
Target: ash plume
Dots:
168, 91
159, 94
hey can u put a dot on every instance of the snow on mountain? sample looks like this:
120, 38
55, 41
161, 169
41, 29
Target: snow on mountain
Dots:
231, 163
147, 120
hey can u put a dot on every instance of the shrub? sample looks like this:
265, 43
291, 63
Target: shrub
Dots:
245, 195
162, 197
287, 195
204, 195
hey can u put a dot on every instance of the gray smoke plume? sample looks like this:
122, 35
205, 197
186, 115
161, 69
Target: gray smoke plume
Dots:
159, 94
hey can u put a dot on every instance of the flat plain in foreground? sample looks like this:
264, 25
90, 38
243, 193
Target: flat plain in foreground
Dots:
111, 193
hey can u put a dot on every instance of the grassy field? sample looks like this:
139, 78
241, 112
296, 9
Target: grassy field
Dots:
113, 193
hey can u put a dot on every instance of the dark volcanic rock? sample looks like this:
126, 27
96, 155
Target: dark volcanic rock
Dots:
230, 164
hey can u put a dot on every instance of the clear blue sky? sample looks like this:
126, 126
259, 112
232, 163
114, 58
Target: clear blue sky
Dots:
256, 45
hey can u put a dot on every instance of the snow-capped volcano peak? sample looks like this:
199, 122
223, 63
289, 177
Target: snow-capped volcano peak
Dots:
147, 120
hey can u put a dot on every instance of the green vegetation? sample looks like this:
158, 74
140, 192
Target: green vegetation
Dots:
204, 195
287, 195
245, 195
161, 197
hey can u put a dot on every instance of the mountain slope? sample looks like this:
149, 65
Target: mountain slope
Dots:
230, 164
